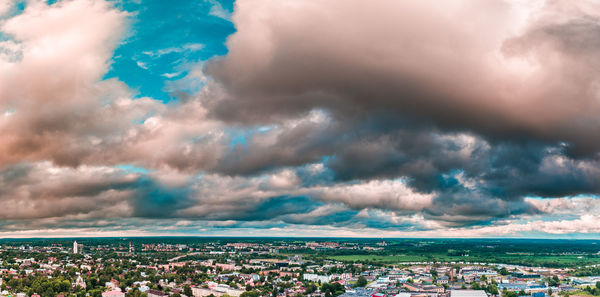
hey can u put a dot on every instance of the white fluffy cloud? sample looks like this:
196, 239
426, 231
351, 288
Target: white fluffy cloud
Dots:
5, 6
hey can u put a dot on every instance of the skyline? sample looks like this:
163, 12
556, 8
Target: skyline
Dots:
397, 119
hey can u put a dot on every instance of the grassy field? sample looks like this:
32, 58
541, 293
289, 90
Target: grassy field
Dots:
533, 260
378, 258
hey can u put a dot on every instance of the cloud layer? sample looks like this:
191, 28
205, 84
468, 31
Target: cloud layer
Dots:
412, 118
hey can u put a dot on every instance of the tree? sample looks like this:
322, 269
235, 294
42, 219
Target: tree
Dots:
554, 281
187, 290
310, 288
252, 293
492, 289
333, 289
361, 282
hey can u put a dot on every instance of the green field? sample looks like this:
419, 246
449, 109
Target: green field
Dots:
530, 260
379, 258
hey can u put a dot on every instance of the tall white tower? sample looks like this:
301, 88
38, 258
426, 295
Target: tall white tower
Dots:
75, 247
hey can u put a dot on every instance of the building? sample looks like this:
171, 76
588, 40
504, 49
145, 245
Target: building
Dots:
77, 248
443, 280
219, 290
467, 293
226, 266
316, 278
359, 292
113, 294
79, 282
423, 288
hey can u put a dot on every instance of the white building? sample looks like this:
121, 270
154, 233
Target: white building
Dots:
468, 293
316, 278
75, 247
80, 282
216, 291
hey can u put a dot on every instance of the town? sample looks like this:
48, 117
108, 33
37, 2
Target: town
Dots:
251, 268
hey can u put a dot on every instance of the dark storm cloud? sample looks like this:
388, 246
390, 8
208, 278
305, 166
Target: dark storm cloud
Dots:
505, 82
306, 141
495, 176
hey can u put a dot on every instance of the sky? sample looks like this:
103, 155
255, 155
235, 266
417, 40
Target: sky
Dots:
416, 118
